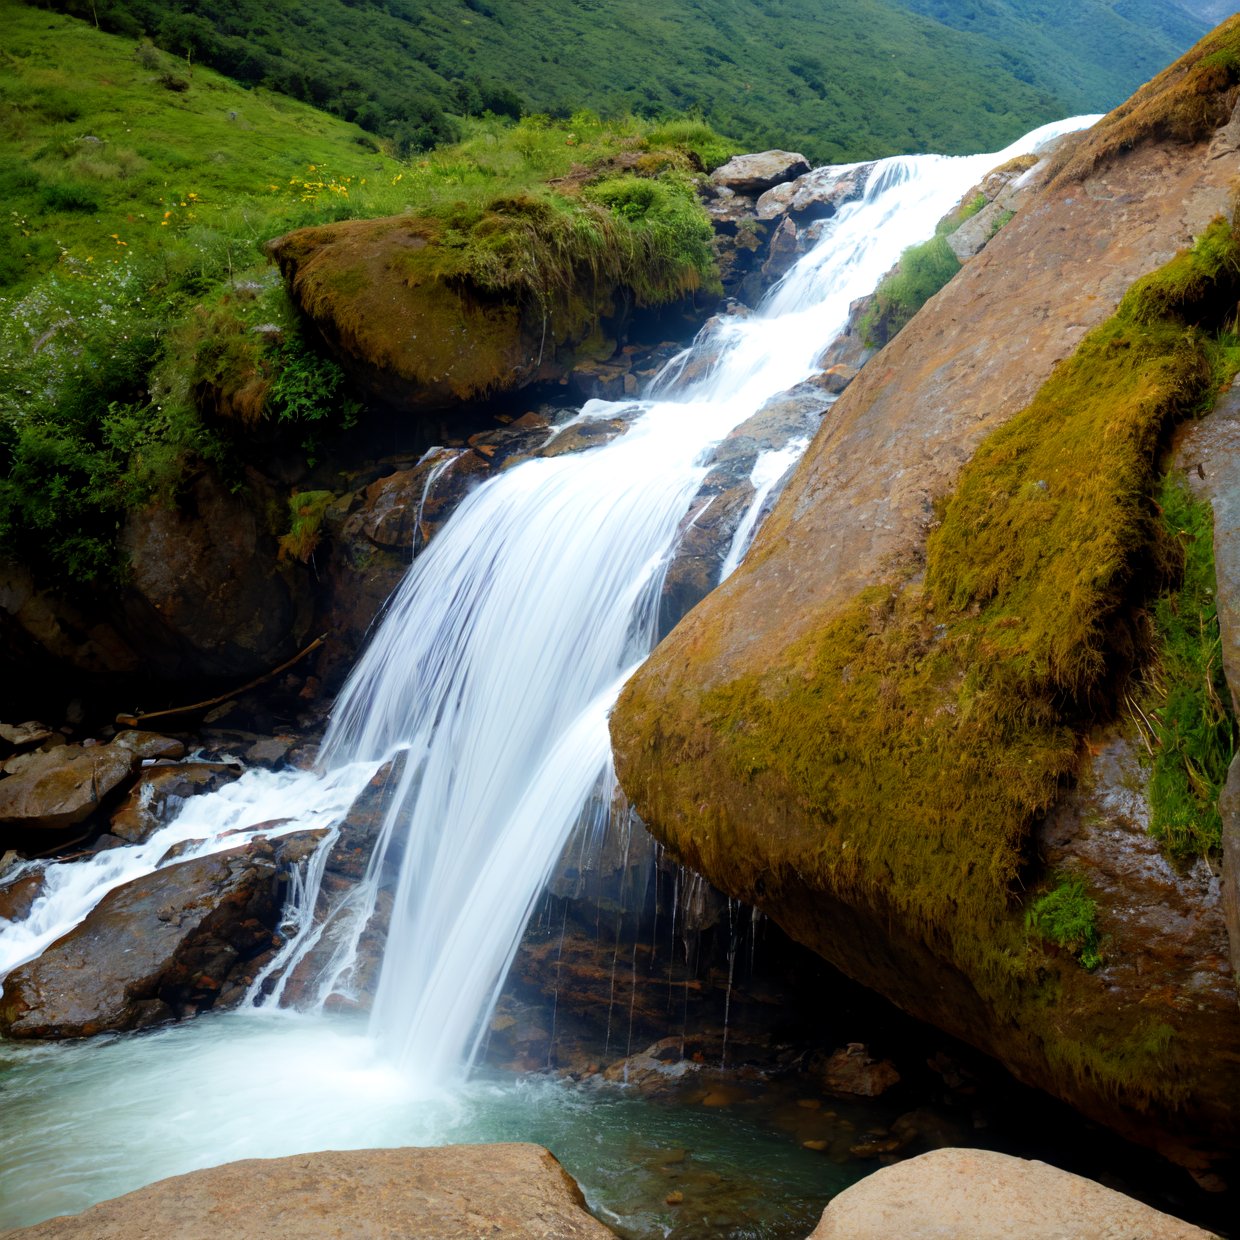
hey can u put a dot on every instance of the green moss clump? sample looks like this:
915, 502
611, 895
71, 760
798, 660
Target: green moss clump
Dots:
1186, 714
1066, 915
306, 512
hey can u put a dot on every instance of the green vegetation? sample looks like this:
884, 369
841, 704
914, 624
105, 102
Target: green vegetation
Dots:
804, 74
1186, 716
922, 270
306, 512
142, 334
1066, 915
1184, 103
919, 733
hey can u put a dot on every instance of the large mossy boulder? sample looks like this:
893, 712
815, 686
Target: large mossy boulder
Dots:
431, 311
859, 731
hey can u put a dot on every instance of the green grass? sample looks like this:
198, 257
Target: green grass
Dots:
837, 79
1066, 915
142, 333
1186, 714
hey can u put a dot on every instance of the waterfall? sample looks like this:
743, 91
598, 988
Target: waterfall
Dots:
501, 654
510, 638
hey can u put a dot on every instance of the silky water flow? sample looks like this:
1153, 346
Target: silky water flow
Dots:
490, 678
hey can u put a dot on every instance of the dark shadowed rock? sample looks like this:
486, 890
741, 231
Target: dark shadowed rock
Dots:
853, 1071
450, 1193
208, 595
158, 948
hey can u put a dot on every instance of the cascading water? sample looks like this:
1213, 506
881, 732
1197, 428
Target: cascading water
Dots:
509, 640
492, 672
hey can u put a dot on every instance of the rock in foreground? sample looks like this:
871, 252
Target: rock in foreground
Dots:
453, 1193
981, 1195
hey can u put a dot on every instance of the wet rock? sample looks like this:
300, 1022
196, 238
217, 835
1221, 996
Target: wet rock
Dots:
815, 195
158, 948
451, 1192
270, 751
979, 1193
752, 174
853, 1071
159, 793
17, 896
650, 1075
62, 787
783, 252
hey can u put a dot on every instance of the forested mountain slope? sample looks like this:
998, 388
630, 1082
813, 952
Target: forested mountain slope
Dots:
838, 79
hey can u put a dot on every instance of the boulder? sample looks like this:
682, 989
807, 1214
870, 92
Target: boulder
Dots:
158, 948
816, 195
722, 750
981, 1195
853, 1071
62, 787
449, 1193
159, 792
753, 174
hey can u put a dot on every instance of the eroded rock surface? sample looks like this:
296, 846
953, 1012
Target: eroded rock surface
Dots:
448, 1193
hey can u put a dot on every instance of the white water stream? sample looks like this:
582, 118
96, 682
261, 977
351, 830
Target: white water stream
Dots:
495, 668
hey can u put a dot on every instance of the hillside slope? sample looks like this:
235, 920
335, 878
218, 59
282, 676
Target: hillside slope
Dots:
806, 74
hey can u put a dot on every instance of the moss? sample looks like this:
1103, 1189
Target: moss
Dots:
1066, 915
1184, 103
306, 512
917, 735
1185, 711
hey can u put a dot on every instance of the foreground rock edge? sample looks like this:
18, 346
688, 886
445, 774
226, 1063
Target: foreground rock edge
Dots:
983, 1195
445, 1193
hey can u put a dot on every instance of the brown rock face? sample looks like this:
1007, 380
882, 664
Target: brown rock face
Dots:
449, 1193
162, 946
62, 787
978, 1193
208, 596
159, 792
857, 513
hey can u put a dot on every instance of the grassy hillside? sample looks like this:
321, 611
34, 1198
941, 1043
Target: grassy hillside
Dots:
838, 79
1092, 53
133, 287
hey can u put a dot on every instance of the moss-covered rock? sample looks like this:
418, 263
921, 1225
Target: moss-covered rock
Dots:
431, 311
858, 731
